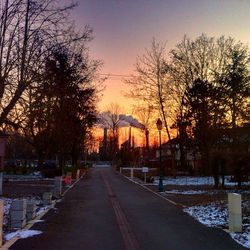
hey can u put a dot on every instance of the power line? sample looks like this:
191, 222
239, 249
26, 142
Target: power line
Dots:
116, 75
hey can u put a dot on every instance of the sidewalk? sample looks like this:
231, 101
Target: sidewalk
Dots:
106, 211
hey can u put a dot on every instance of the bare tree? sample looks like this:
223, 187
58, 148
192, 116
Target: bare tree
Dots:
206, 72
28, 29
151, 85
211, 61
110, 120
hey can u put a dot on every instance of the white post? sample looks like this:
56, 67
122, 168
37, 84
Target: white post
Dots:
235, 212
145, 177
132, 173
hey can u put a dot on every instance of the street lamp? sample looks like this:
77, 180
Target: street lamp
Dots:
159, 127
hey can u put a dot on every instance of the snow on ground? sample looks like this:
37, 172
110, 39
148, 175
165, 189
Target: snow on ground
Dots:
212, 215
216, 215
40, 210
195, 181
36, 221
22, 234
210, 192
187, 192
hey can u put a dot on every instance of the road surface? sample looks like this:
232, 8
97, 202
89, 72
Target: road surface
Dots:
105, 211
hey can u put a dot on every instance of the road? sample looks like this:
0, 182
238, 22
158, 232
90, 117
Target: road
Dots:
105, 211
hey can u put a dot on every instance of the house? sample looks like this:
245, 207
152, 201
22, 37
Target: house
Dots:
179, 161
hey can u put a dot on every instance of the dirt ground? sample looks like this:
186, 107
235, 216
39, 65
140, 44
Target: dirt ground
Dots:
212, 195
218, 196
18, 189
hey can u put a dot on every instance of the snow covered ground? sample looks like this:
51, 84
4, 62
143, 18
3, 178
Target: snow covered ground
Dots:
195, 181
216, 215
186, 192
210, 192
21, 234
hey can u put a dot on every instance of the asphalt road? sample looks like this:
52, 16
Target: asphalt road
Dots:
105, 211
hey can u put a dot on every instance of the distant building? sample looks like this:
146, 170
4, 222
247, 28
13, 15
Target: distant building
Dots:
172, 160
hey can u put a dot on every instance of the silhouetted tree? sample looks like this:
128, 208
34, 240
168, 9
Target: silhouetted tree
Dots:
235, 81
150, 83
201, 71
27, 29
62, 108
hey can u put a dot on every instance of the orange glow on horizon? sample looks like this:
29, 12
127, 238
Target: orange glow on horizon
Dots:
137, 136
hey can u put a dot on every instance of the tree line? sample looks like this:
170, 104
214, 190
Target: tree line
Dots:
48, 81
201, 89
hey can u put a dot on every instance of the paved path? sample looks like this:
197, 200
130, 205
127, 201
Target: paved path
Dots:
105, 211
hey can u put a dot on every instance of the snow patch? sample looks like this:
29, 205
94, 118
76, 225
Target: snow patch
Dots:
186, 192
242, 238
211, 215
216, 215
36, 221
43, 209
22, 234
195, 181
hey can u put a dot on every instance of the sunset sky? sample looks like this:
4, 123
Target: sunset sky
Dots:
123, 29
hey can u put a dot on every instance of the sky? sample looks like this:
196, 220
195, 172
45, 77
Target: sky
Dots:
123, 29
